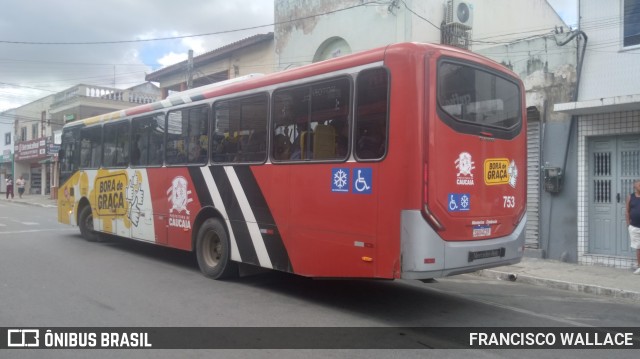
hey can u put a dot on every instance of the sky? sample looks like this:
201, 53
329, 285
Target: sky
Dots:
31, 67
31, 71
567, 9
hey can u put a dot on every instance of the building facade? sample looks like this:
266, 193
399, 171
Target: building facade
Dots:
35, 125
32, 127
6, 147
330, 28
547, 66
248, 56
606, 131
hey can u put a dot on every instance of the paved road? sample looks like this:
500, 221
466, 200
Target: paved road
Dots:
51, 277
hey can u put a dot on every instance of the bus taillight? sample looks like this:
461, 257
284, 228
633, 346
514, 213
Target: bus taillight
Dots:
426, 213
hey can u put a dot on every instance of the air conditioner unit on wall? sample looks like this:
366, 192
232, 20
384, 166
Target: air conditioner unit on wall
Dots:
460, 12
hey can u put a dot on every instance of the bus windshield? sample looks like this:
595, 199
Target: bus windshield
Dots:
476, 97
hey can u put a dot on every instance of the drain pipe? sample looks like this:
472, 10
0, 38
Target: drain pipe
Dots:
575, 93
573, 117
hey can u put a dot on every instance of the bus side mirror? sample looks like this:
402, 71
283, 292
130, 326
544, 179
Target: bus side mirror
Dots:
553, 179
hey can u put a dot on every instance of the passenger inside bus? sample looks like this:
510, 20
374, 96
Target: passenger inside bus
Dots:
281, 147
371, 140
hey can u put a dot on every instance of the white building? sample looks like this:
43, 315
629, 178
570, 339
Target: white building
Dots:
607, 121
353, 25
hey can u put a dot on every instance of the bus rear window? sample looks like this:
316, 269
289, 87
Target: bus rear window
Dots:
478, 98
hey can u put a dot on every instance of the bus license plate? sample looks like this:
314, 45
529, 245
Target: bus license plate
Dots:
481, 231
499, 252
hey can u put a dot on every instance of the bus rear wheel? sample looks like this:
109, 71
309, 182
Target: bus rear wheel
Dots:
213, 251
85, 222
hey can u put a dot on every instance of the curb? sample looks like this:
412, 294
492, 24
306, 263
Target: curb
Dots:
558, 284
34, 203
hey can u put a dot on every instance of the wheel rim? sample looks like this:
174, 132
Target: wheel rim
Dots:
212, 249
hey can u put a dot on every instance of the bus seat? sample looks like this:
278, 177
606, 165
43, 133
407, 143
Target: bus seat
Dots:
304, 136
324, 142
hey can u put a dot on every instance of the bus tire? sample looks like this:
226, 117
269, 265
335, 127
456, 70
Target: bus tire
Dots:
85, 222
213, 251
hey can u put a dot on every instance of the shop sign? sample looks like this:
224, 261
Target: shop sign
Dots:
34, 149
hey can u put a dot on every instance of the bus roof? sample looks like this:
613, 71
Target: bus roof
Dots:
259, 80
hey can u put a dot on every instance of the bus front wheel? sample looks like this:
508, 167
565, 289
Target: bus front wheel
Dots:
85, 221
213, 251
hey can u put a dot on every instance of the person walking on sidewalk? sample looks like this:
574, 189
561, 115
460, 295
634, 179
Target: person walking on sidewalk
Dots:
633, 221
9, 182
20, 185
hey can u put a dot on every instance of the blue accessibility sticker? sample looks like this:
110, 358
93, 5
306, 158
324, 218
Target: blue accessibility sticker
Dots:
340, 180
459, 202
362, 180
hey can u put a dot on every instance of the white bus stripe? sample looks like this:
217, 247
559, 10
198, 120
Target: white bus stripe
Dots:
217, 202
252, 224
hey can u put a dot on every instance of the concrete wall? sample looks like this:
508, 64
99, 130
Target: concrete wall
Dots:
258, 58
506, 21
31, 113
362, 27
365, 27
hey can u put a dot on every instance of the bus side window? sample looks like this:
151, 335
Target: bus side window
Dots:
69, 155
314, 117
90, 147
198, 138
116, 144
187, 136
372, 119
240, 130
148, 136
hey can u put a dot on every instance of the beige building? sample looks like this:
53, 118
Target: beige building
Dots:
254, 54
36, 124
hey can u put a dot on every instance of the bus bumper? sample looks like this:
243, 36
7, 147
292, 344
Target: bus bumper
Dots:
425, 255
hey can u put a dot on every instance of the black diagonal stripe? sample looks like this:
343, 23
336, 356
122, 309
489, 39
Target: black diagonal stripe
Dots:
238, 224
200, 186
273, 242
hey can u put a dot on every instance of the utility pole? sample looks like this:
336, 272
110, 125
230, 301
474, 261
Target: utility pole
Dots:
190, 70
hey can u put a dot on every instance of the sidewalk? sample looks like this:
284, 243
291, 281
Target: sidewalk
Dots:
598, 280
605, 281
32, 199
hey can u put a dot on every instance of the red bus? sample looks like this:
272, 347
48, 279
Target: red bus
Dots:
406, 161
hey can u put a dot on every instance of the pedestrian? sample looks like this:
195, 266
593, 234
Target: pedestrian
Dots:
633, 221
9, 182
20, 185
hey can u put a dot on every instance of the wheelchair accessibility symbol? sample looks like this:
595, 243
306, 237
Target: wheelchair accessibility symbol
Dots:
459, 202
362, 180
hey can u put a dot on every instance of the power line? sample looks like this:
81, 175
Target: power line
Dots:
183, 36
